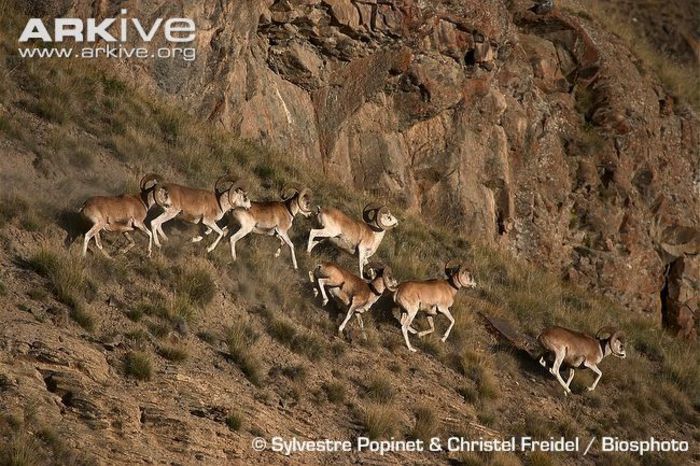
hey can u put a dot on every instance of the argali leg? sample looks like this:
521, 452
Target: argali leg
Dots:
406, 320
242, 232
129, 245
146, 232
423, 333
313, 234
571, 377
157, 225
321, 282
279, 249
554, 370
98, 241
286, 239
88, 235
446, 313
214, 227
595, 369
358, 315
361, 259
351, 311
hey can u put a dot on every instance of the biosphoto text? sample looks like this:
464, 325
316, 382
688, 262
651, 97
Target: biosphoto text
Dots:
108, 38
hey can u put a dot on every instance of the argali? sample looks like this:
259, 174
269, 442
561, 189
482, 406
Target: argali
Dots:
199, 206
273, 218
352, 291
121, 214
576, 349
431, 296
354, 236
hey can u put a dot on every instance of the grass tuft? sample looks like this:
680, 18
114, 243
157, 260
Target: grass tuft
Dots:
137, 364
380, 421
240, 340
173, 352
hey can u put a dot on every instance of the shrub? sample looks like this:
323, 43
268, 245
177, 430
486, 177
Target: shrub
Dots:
426, 423
173, 352
197, 286
335, 391
241, 339
380, 389
65, 274
137, 364
380, 421
234, 421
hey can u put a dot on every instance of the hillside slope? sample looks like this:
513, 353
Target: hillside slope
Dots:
552, 135
186, 357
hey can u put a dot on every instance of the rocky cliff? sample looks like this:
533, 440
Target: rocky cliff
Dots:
541, 133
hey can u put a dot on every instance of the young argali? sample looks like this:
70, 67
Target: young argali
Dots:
576, 349
355, 293
200, 206
431, 296
273, 218
121, 214
354, 236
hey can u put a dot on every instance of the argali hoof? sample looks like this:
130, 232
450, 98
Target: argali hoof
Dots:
278, 252
325, 301
315, 293
590, 389
412, 350
196, 239
443, 339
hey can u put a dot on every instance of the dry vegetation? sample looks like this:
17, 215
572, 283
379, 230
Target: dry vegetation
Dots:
680, 79
657, 386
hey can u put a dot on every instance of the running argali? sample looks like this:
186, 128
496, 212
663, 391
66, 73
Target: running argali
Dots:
121, 214
273, 218
576, 349
354, 236
199, 206
431, 297
352, 291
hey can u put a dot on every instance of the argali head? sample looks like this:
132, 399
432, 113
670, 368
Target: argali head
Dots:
377, 269
459, 275
234, 190
148, 185
302, 197
615, 339
379, 217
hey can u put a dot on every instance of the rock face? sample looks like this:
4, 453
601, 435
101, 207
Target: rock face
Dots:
541, 133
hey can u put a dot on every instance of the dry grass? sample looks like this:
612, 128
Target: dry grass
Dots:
679, 79
175, 352
380, 420
379, 388
138, 364
234, 420
240, 340
67, 281
426, 425
335, 391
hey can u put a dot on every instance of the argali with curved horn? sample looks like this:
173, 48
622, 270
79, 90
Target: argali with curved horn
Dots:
431, 297
354, 236
273, 218
121, 214
358, 294
576, 349
199, 206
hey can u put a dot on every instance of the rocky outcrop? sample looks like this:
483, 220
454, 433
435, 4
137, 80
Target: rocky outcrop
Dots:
541, 133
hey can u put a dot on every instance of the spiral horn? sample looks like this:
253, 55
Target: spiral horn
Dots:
149, 181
